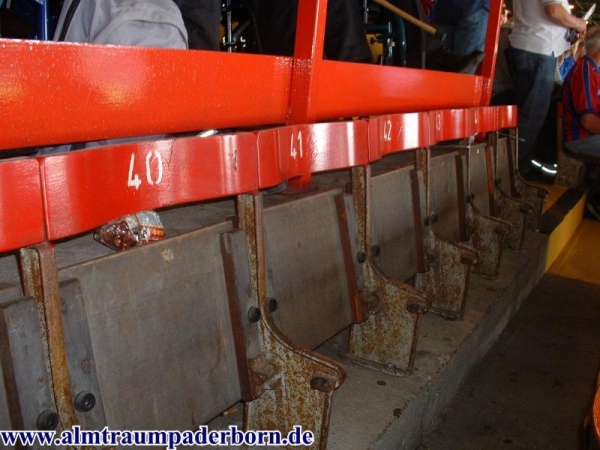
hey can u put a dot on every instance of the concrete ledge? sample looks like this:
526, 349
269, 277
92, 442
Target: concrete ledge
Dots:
378, 411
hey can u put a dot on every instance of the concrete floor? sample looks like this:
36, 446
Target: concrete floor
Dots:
534, 387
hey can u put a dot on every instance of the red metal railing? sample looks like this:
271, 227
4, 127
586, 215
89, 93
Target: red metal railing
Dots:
54, 93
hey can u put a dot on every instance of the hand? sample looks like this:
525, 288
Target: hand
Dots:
580, 25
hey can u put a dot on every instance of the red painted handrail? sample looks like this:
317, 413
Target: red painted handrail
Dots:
56, 93
90, 92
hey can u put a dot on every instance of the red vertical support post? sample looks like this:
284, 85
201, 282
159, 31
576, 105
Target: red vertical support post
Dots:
308, 55
488, 68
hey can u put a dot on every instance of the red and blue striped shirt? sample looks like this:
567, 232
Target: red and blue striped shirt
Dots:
580, 95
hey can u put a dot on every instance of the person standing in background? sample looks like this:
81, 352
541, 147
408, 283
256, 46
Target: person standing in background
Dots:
538, 37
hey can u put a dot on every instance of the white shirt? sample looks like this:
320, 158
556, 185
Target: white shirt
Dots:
533, 31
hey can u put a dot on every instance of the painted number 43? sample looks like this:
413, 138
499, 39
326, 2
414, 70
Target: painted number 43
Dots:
154, 172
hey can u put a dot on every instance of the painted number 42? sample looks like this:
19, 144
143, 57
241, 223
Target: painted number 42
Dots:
154, 172
387, 131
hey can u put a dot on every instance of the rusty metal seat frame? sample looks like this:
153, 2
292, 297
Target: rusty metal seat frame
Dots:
527, 191
383, 314
321, 237
447, 251
485, 231
509, 208
511, 185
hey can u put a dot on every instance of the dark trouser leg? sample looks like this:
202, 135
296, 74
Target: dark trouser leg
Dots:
202, 19
345, 38
416, 42
534, 80
276, 20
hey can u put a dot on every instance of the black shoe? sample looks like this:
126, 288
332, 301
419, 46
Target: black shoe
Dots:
446, 61
537, 176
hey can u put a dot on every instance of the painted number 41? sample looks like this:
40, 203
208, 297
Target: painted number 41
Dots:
296, 149
154, 172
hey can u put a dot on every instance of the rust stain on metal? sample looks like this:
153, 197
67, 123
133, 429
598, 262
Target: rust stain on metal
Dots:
387, 339
448, 275
292, 379
488, 230
513, 211
535, 196
522, 190
509, 201
40, 281
487, 236
449, 262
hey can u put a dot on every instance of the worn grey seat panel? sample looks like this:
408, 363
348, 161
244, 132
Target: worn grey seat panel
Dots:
443, 186
23, 336
478, 178
160, 329
7, 294
393, 223
305, 261
25, 381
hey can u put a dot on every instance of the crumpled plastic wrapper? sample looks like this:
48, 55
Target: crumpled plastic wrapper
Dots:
131, 231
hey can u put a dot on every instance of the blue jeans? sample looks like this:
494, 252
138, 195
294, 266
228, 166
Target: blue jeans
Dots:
533, 75
589, 146
468, 35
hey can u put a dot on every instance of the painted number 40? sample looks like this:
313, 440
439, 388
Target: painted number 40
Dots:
154, 172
